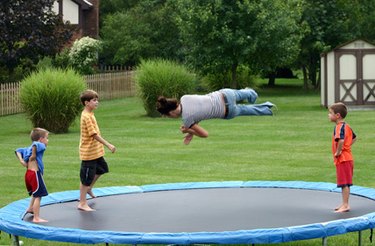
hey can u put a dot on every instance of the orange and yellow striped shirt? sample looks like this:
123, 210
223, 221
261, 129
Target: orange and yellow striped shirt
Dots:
89, 148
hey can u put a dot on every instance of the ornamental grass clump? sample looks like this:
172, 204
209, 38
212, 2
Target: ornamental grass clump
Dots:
160, 77
50, 98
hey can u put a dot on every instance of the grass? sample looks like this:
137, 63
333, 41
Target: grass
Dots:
293, 145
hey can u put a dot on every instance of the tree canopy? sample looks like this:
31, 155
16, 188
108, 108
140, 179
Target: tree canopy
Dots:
29, 30
221, 35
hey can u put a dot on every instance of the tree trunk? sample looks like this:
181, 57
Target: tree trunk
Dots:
305, 78
271, 79
234, 76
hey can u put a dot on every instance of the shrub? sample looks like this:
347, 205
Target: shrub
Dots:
162, 77
50, 98
83, 55
218, 81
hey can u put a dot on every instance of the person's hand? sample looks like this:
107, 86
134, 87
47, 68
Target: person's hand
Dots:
112, 148
184, 129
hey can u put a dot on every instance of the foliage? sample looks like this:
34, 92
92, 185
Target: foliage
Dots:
162, 78
29, 29
221, 35
218, 81
62, 60
50, 98
146, 31
326, 26
83, 55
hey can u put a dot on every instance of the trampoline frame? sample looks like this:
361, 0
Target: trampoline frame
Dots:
11, 219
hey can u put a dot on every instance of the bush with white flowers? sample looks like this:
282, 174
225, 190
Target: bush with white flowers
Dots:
83, 55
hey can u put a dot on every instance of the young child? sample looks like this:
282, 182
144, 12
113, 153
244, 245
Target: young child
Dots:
220, 104
32, 158
342, 140
91, 149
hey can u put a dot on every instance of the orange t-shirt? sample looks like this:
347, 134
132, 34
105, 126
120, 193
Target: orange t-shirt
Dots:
343, 131
89, 148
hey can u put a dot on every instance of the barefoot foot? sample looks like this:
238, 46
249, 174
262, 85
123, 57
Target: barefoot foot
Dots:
85, 208
188, 138
91, 193
39, 220
343, 209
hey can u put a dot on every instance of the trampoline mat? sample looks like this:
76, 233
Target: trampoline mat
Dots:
209, 210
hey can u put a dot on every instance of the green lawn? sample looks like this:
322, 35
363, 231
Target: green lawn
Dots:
293, 145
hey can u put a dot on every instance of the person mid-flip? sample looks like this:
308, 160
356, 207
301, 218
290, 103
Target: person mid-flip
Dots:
220, 104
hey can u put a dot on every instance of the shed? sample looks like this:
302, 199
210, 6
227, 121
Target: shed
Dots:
348, 74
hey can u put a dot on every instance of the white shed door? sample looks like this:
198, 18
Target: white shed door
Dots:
355, 77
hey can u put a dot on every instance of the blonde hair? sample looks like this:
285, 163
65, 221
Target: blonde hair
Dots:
38, 133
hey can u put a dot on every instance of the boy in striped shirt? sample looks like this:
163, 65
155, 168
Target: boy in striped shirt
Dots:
91, 149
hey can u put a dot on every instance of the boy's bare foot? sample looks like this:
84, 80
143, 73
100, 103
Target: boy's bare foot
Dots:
39, 220
188, 138
85, 208
29, 211
91, 193
343, 209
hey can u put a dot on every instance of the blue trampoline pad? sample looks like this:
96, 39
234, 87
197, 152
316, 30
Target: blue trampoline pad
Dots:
208, 212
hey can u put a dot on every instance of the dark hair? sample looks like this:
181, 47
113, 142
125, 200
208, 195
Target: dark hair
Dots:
339, 108
88, 95
166, 105
38, 133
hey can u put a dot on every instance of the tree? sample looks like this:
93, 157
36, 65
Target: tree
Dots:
29, 29
328, 24
221, 35
145, 31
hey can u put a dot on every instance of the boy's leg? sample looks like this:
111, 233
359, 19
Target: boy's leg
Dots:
30, 208
92, 185
36, 209
82, 205
345, 192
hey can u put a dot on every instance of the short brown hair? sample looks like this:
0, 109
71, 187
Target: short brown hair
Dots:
87, 95
38, 133
339, 108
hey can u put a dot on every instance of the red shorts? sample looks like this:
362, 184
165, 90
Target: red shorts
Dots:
344, 173
35, 184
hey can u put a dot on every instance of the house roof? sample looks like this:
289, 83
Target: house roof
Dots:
85, 4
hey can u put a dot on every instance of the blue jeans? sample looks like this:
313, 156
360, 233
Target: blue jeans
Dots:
234, 109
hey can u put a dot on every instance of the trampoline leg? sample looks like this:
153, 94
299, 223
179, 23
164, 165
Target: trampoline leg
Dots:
324, 241
359, 238
15, 240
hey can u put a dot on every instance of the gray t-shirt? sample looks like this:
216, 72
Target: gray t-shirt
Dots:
196, 108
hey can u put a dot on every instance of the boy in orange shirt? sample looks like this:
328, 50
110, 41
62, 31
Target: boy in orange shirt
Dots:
91, 149
342, 140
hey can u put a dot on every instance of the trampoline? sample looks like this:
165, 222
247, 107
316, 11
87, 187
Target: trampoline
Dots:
232, 212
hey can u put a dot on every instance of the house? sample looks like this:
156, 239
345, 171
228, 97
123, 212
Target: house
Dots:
348, 75
82, 13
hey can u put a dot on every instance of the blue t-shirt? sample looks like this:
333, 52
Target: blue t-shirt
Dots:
27, 151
